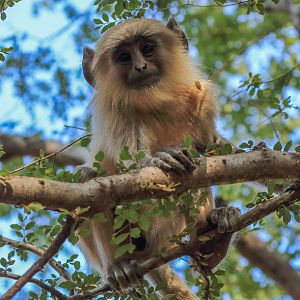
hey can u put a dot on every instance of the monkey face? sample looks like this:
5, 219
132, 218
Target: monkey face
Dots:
139, 63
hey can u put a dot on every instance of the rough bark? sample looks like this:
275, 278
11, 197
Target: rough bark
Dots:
102, 192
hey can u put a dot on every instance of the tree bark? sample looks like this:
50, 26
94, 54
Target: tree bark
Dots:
103, 192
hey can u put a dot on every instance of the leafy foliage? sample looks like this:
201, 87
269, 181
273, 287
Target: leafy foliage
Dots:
258, 97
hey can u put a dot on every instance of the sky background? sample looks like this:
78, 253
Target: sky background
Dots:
41, 29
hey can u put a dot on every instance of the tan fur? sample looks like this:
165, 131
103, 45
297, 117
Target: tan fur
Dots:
161, 116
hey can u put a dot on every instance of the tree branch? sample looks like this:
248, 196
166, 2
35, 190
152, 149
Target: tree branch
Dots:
41, 284
271, 263
103, 192
29, 247
65, 232
191, 247
20, 146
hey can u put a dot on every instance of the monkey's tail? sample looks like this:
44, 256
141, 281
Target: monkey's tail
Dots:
172, 283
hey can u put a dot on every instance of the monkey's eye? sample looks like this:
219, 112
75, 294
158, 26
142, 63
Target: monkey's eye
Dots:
147, 50
124, 57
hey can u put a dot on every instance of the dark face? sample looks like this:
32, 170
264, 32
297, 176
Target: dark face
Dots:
138, 63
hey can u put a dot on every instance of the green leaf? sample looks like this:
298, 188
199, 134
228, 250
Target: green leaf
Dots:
288, 146
188, 142
16, 226
29, 225
138, 156
124, 154
297, 149
144, 222
3, 17
132, 216
227, 149
116, 240
2, 58
98, 21
277, 146
85, 142
105, 17
99, 156
122, 250
7, 50
135, 232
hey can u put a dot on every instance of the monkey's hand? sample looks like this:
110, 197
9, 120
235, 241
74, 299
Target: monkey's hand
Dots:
225, 218
171, 159
122, 274
86, 173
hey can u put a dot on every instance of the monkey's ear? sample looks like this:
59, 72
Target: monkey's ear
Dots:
87, 59
173, 25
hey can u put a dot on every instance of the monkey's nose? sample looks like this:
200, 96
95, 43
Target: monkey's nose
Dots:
141, 67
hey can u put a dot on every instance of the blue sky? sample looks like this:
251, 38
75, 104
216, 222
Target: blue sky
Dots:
19, 19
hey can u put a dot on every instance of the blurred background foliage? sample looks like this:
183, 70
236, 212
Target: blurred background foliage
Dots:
250, 50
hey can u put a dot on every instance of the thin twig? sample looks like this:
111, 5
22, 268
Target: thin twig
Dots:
66, 230
39, 283
204, 6
31, 248
49, 155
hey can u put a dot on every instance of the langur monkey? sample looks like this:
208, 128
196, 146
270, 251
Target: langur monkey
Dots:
146, 98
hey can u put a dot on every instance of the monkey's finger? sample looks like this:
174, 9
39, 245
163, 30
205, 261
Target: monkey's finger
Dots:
157, 162
130, 272
213, 216
120, 276
185, 160
175, 164
232, 216
111, 280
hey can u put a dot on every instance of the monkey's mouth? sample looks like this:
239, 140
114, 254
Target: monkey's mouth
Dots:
145, 82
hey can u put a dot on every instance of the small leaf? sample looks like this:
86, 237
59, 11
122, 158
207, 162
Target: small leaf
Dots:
277, 146
99, 156
121, 250
135, 232
288, 146
244, 146
138, 156
188, 142
116, 240
144, 222
85, 142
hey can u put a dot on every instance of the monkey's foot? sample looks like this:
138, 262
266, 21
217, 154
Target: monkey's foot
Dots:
123, 274
86, 174
226, 218
174, 159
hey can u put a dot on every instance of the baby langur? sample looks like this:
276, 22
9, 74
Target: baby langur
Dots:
146, 98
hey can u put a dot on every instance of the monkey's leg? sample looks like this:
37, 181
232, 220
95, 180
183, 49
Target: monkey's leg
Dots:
225, 218
174, 159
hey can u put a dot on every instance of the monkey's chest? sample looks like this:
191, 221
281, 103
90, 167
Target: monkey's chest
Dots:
159, 136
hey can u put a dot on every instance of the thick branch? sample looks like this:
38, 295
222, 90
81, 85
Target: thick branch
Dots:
271, 263
31, 248
103, 192
189, 248
39, 283
65, 232
20, 146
